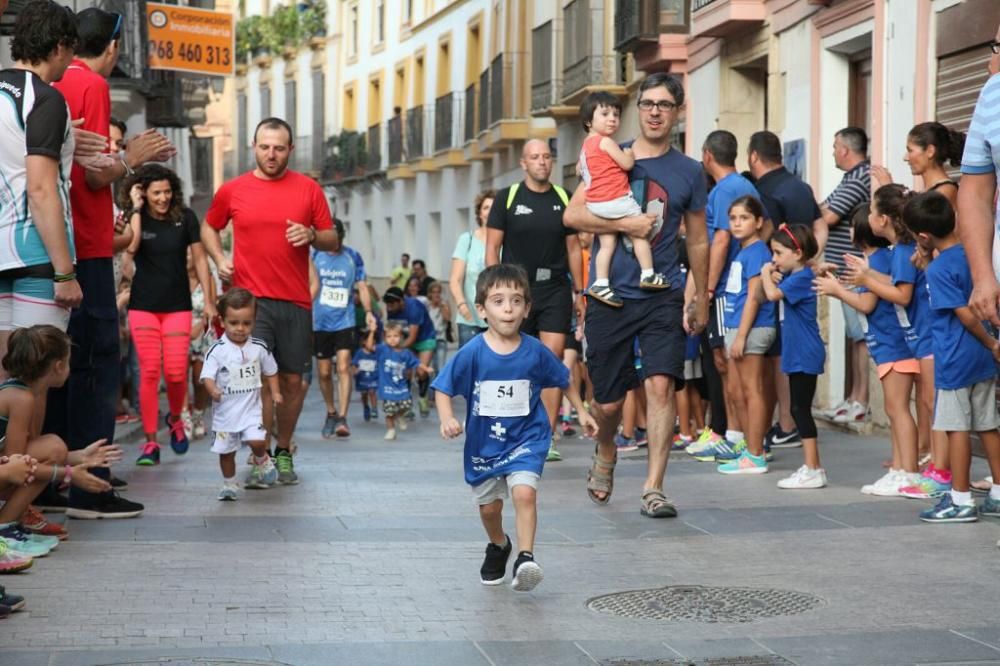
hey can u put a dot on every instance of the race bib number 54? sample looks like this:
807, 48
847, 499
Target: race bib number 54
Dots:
505, 398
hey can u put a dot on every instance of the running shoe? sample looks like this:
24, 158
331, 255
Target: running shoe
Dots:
745, 464
286, 468
680, 442
724, 451
401, 420
269, 471
198, 417
804, 478
14, 602
188, 423
706, 440
779, 439
624, 443
837, 410
655, 282
50, 501
118, 484
374, 412
527, 573
930, 486
767, 451
553, 455
368, 413
425, 407
329, 426
494, 568
856, 413
228, 493
566, 428
106, 506
256, 481
606, 295
342, 430
12, 561
390, 434
150, 454
989, 507
34, 522
946, 511
178, 435
29, 544
641, 437
888, 485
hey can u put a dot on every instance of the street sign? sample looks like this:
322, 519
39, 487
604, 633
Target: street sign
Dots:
186, 39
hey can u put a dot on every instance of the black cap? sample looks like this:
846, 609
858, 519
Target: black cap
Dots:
392, 294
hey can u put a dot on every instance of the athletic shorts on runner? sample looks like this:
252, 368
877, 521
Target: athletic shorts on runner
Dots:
655, 321
326, 344
27, 298
230, 442
758, 341
551, 308
496, 488
968, 409
286, 329
394, 407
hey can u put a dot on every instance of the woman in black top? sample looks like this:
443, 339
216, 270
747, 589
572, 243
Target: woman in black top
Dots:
160, 302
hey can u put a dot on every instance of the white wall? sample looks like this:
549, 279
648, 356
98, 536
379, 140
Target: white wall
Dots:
797, 74
703, 104
901, 50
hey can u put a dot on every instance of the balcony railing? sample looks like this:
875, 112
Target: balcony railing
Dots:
395, 132
701, 4
641, 21
497, 98
374, 162
308, 154
543, 95
470, 112
415, 132
484, 100
448, 123
598, 70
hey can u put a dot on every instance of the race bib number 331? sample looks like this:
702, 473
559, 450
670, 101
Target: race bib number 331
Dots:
505, 398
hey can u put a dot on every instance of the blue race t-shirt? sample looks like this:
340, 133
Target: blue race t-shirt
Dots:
367, 364
506, 426
393, 384
414, 313
913, 317
722, 196
745, 266
960, 360
333, 307
669, 185
883, 334
801, 345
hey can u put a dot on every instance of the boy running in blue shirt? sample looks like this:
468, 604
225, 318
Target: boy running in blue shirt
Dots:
501, 375
964, 353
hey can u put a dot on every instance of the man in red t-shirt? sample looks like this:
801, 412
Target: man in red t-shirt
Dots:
84, 409
276, 214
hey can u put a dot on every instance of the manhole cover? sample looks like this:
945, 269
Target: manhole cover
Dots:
759, 660
695, 603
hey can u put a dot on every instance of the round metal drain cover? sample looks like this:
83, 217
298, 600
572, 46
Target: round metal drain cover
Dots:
696, 603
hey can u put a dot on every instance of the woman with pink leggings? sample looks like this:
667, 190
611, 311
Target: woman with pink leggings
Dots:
160, 301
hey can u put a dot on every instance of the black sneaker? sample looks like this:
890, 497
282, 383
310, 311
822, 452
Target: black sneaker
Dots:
12, 601
785, 440
118, 484
106, 506
50, 501
527, 573
494, 568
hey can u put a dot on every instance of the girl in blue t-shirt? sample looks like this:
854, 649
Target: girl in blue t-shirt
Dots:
905, 286
788, 281
893, 358
365, 367
750, 332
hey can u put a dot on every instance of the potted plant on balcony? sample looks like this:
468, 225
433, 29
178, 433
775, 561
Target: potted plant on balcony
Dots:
287, 28
250, 38
312, 18
346, 156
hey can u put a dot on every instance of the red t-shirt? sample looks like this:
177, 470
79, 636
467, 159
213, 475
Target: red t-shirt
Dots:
264, 262
88, 97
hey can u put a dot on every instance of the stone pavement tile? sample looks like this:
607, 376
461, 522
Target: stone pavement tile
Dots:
111, 657
411, 653
607, 650
989, 635
724, 522
549, 653
883, 512
24, 658
907, 646
714, 648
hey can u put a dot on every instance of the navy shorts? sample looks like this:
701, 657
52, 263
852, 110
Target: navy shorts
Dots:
657, 324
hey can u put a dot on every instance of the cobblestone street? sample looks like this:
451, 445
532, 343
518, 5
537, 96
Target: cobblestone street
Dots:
374, 558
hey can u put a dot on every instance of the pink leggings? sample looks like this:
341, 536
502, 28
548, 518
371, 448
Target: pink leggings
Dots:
161, 337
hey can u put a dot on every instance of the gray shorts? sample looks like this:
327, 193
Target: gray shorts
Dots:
495, 489
969, 409
852, 323
625, 206
758, 341
286, 328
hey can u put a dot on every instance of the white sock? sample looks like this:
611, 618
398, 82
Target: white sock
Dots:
959, 498
646, 272
601, 282
229, 480
734, 436
995, 492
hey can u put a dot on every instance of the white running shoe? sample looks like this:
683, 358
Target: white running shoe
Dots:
390, 434
888, 485
804, 478
839, 408
856, 413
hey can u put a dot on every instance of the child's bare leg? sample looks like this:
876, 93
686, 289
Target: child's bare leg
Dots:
47, 450
697, 407
492, 516
526, 516
390, 422
643, 252
960, 451
991, 444
259, 448
939, 439
602, 262
684, 412
227, 463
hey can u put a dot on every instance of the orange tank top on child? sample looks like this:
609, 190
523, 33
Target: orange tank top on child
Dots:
604, 178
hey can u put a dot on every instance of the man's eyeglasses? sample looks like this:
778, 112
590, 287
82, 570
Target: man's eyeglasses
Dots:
662, 105
118, 29
995, 47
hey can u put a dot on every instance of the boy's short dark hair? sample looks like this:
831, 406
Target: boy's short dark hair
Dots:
236, 298
767, 145
274, 123
42, 26
98, 29
722, 146
592, 102
502, 274
929, 213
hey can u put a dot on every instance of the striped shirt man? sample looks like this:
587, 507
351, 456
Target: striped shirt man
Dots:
854, 189
982, 147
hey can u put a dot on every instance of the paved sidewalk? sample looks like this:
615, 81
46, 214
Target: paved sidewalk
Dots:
374, 558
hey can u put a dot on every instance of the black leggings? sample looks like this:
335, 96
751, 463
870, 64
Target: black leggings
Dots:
803, 390
713, 384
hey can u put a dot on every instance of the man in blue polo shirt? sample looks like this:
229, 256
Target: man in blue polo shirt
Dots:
670, 186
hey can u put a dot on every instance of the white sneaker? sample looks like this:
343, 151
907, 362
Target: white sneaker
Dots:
888, 485
401, 422
390, 434
839, 408
804, 478
188, 424
856, 413
229, 493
